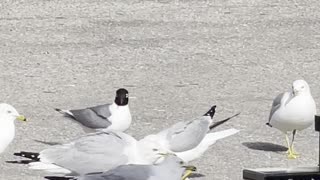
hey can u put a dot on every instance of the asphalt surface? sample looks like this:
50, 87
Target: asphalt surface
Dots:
176, 58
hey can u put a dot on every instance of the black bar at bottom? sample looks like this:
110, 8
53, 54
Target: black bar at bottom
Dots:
251, 174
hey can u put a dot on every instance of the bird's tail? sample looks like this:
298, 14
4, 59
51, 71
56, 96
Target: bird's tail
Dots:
30, 155
213, 137
65, 112
218, 123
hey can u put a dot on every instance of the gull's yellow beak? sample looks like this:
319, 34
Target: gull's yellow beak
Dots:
21, 118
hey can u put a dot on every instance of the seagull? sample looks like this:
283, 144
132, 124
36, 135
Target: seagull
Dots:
170, 169
7, 128
184, 138
115, 116
94, 152
293, 111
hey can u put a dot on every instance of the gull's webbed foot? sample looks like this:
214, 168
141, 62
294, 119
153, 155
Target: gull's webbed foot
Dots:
292, 154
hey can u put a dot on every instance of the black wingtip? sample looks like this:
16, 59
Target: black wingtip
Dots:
57, 109
29, 155
218, 123
268, 124
59, 178
211, 111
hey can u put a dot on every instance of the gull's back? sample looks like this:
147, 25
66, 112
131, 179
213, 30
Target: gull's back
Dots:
92, 153
184, 136
169, 169
124, 172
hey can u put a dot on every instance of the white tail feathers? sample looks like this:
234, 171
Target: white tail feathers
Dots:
208, 140
212, 137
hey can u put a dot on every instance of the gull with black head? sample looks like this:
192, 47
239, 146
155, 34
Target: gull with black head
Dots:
115, 116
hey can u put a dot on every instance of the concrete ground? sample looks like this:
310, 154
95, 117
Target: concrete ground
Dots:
176, 58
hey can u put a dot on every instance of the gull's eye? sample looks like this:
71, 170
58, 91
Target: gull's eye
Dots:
9, 112
180, 162
302, 87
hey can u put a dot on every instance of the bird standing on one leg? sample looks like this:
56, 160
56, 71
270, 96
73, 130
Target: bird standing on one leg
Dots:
293, 111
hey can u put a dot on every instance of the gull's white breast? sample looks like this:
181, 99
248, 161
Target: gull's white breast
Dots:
120, 118
297, 114
7, 132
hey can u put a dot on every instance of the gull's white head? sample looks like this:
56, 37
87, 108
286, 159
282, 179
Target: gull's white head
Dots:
300, 87
9, 113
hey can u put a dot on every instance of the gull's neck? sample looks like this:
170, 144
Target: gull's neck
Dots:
116, 106
6, 120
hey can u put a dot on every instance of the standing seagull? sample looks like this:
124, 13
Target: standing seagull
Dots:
292, 111
115, 116
7, 129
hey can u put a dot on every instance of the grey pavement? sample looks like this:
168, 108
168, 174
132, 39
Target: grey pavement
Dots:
176, 58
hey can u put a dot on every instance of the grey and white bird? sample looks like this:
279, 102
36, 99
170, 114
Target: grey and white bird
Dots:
170, 169
7, 128
94, 152
115, 116
184, 138
293, 111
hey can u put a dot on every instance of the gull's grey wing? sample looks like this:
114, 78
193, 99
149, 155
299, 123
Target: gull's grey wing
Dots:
93, 117
275, 105
184, 136
100, 176
91, 153
102, 110
124, 172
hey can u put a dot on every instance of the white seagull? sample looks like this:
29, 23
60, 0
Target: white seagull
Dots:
94, 152
292, 111
7, 128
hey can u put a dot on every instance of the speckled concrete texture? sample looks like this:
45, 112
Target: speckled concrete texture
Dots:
176, 58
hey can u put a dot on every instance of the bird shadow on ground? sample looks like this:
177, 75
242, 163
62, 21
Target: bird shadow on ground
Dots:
265, 146
47, 142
